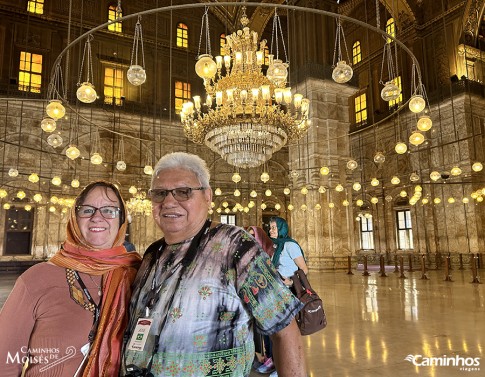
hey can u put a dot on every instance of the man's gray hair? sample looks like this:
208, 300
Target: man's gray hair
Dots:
186, 161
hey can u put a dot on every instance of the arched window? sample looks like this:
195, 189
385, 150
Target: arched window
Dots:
222, 44
390, 29
35, 6
361, 109
182, 95
356, 52
182, 35
113, 15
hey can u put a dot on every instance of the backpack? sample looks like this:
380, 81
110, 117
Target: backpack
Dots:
311, 318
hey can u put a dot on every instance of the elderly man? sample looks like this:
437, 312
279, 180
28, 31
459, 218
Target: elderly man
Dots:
202, 287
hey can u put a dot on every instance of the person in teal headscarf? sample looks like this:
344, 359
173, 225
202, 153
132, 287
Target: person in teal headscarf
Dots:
288, 255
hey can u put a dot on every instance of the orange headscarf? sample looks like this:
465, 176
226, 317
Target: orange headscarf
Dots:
118, 268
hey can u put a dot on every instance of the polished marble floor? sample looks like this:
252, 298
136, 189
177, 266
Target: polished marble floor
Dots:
375, 322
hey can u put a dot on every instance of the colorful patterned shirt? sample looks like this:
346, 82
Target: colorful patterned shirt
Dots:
208, 330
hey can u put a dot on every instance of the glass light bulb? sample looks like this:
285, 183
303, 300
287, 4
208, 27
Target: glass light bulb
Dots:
52, 209
477, 166
3, 193
417, 103
54, 140
434, 175
374, 182
401, 148
322, 189
290, 207
331, 205
277, 206
253, 194
395, 180
121, 165
13, 172
37, 198
436, 200
75, 183
86, 93
451, 200
339, 188
345, 203
359, 202
455, 171
414, 177
132, 190
304, 207
390, 92
34, 178
205, 67
424, 123
148, 170
416, 138
136, 75
356, 186
48, 125
379, 158
342, 72
352, 164
6, 206
465, 200
28, 207
403, 194
263, 206
21, 194
55, 109
286, 191
304, 190
96, 159
236, 177
268, 192
72, 152
277, 72
56, 181
237, 192
324, 170
218, 191
265, 177
374, 200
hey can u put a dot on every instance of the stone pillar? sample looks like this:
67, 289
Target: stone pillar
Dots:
324, 228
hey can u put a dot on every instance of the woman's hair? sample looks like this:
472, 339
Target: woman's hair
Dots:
86, 190
186, 161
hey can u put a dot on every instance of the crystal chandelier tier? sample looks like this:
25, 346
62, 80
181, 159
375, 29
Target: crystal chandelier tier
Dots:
246, 116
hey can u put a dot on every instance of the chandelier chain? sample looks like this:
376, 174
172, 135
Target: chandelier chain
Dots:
205, 23
277, 29
89, 64
138, 41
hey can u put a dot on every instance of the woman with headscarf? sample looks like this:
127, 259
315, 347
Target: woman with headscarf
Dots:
66, 317
288, 255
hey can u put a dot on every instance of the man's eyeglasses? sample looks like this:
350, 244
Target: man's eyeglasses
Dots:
180, 194
108, 212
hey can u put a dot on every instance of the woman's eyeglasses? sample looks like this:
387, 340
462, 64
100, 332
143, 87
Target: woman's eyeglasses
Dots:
108, 212
180, 194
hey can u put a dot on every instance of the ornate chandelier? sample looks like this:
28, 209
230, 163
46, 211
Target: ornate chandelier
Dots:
254, 115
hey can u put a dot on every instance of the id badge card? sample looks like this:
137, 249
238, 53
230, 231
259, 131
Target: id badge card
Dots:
140, 334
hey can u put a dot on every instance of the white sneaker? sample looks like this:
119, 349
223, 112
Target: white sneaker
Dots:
274, 374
